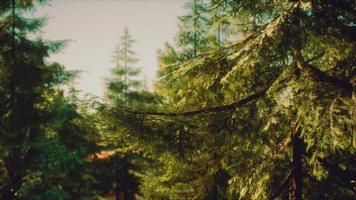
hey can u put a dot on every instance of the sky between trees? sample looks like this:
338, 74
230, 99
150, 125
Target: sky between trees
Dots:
94, 28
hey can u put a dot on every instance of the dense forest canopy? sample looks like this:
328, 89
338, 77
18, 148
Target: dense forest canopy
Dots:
254, 100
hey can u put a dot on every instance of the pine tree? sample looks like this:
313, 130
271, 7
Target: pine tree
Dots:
193, 36
123, 88
35, 115
24, 79
269, 117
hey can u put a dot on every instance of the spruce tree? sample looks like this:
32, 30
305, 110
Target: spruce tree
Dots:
123, 89
271, 116
124, 86
35, 162
24, 79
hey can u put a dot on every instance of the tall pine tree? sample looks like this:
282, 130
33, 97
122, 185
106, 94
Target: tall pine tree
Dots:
38, 125
124, 86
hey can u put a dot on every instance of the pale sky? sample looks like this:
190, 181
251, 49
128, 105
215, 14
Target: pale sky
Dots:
95, 26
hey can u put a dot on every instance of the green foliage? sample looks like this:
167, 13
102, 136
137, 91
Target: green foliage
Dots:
56, 174
40, 128
299, 56
250, 141
124, 86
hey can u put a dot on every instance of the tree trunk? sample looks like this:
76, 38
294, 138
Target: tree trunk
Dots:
297, 151
195, 29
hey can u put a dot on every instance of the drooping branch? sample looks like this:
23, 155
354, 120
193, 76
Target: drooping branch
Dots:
320, 76
211, 58
222, 108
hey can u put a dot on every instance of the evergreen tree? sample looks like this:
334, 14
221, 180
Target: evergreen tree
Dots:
271, 116
193, 36
124, 87
25, 77
35, 115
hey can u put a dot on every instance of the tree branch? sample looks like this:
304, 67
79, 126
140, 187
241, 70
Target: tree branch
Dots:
222, 108
282, 185
320, 76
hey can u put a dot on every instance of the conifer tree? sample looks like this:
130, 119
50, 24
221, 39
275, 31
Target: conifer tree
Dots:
193, 37
123, 88
35, 115
24, 78
271, 116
